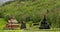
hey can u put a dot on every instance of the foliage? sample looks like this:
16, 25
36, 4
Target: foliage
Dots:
33, 10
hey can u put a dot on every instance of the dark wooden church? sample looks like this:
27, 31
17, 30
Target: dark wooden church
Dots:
44, 24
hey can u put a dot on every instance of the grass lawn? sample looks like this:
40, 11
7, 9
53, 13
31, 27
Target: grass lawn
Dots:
33, 30
29, 31
2, 23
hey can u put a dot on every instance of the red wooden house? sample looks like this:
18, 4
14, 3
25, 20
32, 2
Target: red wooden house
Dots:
12, 24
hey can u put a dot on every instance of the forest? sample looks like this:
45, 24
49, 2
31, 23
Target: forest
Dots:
32, 11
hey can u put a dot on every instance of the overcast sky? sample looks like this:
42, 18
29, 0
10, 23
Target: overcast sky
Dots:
2, 1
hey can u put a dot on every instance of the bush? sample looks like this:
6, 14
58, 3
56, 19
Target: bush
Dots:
8, 17
1, 15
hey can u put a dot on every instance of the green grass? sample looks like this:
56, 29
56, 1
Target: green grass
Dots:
2, 23
50, 30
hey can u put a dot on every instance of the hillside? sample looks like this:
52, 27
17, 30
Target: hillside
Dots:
33, 10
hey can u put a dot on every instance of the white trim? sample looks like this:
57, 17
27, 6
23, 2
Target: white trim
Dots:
13, 24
